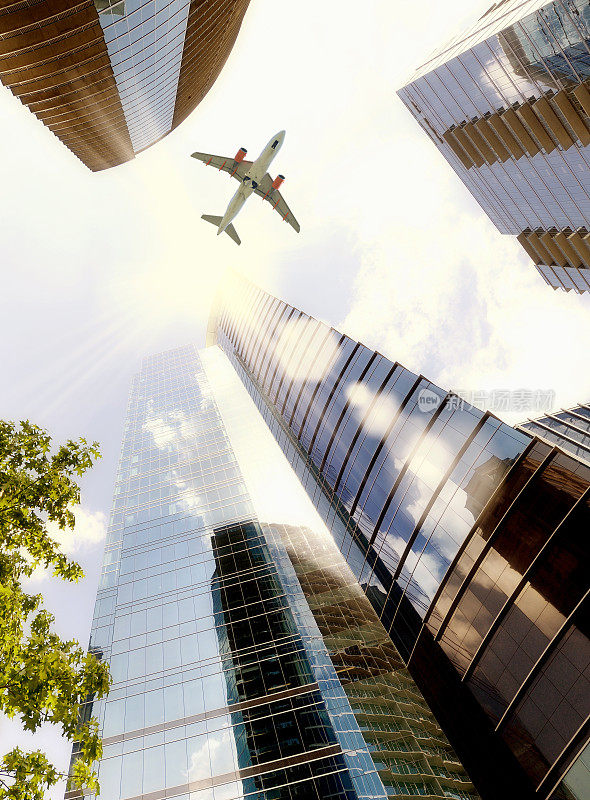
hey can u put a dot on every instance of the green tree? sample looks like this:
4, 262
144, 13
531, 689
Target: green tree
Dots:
42, 678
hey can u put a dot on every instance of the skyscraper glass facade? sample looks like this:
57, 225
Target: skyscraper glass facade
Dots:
397, 451
568, 428
508, 105
247, 661
145, 41
326, 577
460, 520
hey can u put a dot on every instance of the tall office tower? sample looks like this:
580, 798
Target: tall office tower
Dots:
247, 661
111, 77
472, 538
569, 428
508, 105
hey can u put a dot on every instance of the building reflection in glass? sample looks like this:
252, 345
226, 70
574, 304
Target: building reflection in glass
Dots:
409, 749
224, 687
263, 658
445, 517
551, 44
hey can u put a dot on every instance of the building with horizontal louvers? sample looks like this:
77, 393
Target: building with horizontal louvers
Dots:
112, 77
473, 538
569, 428
508, 105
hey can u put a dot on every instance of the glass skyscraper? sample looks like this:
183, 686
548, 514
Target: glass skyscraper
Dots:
508, 105
328, 578
473, 534
247, 660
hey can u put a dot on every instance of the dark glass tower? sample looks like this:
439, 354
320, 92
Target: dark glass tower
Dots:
467, 537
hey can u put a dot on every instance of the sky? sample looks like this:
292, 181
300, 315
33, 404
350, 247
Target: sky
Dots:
101, 269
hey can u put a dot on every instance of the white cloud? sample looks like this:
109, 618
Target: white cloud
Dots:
88, 533
199, 764
425, 575
466, 308
90, 530
213, 755
298, 361
163, 433
384, 408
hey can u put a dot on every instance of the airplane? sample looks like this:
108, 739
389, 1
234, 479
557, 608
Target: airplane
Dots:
253, 177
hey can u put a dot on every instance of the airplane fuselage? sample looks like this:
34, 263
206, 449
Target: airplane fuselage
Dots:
254, 175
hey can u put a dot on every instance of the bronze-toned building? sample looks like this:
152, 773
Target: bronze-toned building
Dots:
112, 77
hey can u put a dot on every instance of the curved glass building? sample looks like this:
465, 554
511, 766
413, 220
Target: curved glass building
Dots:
473, 537
112, 77
507, 103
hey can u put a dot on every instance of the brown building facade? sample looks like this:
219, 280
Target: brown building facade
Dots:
112, 78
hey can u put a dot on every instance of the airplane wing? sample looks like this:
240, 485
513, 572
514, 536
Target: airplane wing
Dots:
237, 169
275, 198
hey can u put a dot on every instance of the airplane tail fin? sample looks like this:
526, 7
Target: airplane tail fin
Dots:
230, 230
211, 219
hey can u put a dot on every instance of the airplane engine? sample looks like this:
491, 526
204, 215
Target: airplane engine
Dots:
240, 155
278, 181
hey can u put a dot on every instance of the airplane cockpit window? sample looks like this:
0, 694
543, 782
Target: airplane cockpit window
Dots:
275, 143
246, 179
254, 185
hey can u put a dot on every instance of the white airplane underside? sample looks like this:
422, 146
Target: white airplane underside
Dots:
253, 178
